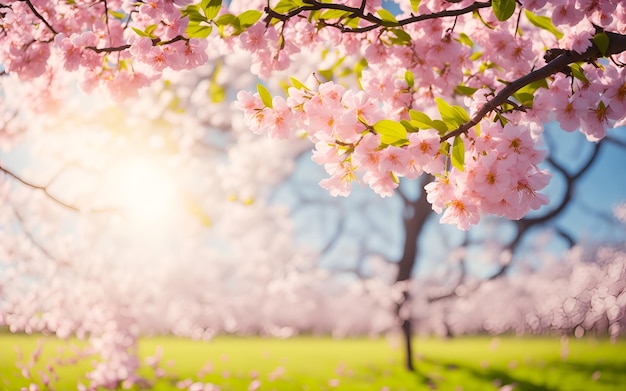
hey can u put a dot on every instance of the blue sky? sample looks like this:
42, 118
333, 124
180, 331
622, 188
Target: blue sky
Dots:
370, 222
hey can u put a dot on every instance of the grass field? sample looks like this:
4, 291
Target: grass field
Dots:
309, 363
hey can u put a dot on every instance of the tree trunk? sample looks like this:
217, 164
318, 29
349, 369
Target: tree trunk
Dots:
407, 334
416, 213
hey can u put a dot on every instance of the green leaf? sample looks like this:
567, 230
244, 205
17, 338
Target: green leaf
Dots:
420, 120
458, 154
265, 95
478, 16
150, 29
408, 77
415, 5
117, 14
284, 6
408, 126
197, 30
298, 84
453, 116
327, 74
391, 132
211, 8
464, 90
225, 20
601, 40
314, 16
334, 14
387, 18
402, 38
193, 13
525, 95
248, 18
543, 22
217, 93
352, 22
358, 70
140, 33
524, 98
577, 72
465, 40
475, 56
503, 9
440, 126
147, 33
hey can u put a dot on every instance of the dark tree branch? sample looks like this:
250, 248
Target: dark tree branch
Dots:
601, 215
525, 224
570, 181
313, 5
38, 15
155, 42
616, 141
106, 19
416, 214
617, 44
571, 242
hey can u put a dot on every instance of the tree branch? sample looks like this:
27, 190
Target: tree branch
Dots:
155, 42
313, 5
616, 141
617, 44
31, 238
525, 224
38, 15
453, 292
570, 180
51, 196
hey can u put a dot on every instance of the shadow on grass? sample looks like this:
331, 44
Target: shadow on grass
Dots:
447, 374
608, 373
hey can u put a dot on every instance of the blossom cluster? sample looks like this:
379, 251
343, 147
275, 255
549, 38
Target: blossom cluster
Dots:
592, 106
96, 39
449, 52
500, 176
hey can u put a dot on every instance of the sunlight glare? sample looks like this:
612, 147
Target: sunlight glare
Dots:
144, 190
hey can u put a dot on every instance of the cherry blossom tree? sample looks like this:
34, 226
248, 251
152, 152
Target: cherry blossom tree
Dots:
454, 94
582, 293
397, 242
458, 90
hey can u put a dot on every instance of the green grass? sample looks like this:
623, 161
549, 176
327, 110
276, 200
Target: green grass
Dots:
310, 363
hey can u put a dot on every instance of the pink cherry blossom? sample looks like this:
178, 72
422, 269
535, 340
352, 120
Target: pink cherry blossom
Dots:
366, 155
461, 214
383, 183
277, 120
394, 159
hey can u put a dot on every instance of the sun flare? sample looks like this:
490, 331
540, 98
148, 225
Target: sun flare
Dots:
143, 189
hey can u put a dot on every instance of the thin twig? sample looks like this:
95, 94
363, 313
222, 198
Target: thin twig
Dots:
38, 15
155, 42
45, 190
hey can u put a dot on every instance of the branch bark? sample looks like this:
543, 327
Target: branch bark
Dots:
418, 212
48, 194
39, 16
617, 44
313, 5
